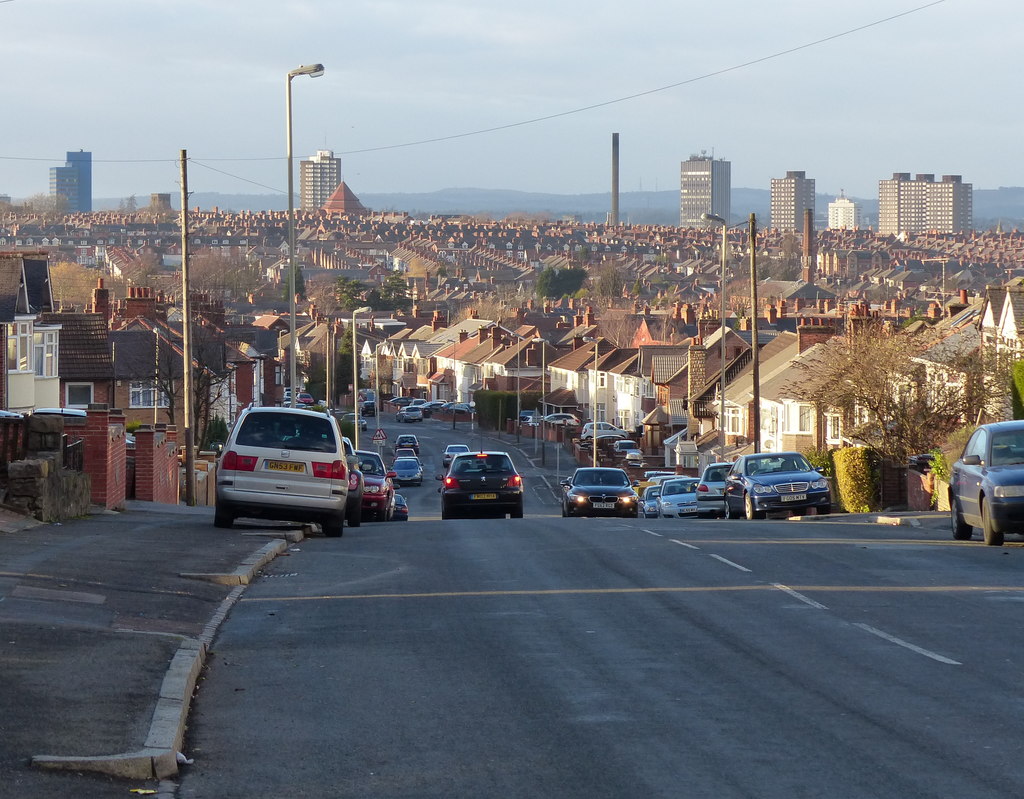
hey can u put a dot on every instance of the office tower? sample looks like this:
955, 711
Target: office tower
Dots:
790, 197
924, 204
318, 178
843, 214
705, 187
73, 182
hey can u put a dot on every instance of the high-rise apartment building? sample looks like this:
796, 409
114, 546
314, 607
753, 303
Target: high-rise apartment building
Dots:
924, 204
843, 213
318, 178
791, 196
705, 187
73, 182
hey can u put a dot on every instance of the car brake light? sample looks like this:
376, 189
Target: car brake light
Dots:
702, 487
329, 471
515, 480
451, 482
238, 463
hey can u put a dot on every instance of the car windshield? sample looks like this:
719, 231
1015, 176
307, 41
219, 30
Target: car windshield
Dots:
777, 463
680, 487
456, 448
599, 477
1007, 447
652, 492
482, 465
406, 464
372, 465
287, 431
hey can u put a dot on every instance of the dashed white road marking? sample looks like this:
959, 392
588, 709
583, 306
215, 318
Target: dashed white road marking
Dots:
651, 532
797, 595
728, 562
683, 543
907, 645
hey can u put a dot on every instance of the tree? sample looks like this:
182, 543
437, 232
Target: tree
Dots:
219, 275
128, 205
350, 293
608, 281
553, 283
900, 393
391, 295
72, 284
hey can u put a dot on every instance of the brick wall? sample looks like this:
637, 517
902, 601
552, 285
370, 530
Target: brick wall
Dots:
104, 456
156, 464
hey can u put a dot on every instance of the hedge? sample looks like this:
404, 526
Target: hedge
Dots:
856, 482
1017, 389
493, 407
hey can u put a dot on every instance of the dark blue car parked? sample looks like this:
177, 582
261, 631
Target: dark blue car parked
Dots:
987, 484
774, 481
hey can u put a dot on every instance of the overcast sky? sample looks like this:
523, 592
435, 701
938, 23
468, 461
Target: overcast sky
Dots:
136, 81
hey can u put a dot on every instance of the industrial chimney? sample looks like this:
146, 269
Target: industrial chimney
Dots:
613, 215
809, 255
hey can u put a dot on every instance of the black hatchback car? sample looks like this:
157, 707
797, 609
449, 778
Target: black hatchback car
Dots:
601, 491
481, 484
987, 483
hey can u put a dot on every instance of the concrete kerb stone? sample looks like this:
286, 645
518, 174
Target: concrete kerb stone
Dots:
159, 758
244, 573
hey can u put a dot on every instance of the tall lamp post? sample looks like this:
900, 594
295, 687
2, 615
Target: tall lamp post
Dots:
721, 391
355, 374
593, 433
314, 71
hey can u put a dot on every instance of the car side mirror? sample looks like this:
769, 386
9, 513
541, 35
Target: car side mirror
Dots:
635, 483
971, 460
563, 482
439, 477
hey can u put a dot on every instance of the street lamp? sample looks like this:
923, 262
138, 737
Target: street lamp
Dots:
721, 391
355, 375
593, 431
314, 71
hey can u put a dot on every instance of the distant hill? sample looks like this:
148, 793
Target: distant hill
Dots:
991, 206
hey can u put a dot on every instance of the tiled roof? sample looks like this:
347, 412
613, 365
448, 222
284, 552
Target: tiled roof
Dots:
10, 286
84, 351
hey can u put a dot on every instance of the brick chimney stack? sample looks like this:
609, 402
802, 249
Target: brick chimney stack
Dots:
696, 372
807, 335
101, 300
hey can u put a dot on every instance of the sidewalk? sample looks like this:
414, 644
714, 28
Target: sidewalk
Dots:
104, 623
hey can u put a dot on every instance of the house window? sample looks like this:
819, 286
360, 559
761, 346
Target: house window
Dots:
78, 395
599, 412
833, 426
733, 420
44, 346
143, 393
602, 379
19, 347
804, 419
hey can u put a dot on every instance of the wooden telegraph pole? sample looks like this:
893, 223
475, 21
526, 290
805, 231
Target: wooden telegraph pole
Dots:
186, 342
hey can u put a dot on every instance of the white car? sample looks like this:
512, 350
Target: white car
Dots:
562, 419
711, 488
604, 430
678, 498
284, 463
451, 451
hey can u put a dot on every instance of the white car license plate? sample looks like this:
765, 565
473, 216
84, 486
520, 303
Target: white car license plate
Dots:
604, 506
792, 497
483, 496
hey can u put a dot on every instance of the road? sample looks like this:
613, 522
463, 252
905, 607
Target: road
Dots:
550, 657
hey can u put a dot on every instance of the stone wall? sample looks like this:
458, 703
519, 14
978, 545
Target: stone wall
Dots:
40, 488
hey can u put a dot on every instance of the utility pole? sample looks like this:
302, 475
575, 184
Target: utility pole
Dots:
186, 342
755, 369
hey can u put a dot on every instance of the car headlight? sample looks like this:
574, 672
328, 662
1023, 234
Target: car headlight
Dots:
372, 489
629, 499
819, 484
757, 488
1009, 491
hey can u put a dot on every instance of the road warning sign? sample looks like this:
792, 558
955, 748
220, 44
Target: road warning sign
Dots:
380, 435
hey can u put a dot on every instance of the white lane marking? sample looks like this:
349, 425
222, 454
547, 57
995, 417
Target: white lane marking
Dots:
907, 645
654, 533
683, 543
797, 595
728, 562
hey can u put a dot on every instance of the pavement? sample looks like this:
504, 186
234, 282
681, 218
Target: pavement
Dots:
105, 623
104, 626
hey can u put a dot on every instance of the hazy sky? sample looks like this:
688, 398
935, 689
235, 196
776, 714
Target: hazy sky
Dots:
136, 81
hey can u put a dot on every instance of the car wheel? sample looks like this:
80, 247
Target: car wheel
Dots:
517, 513
221, 518
333, 526
992, 536
962, 531
355, 516
730, 513
749, 510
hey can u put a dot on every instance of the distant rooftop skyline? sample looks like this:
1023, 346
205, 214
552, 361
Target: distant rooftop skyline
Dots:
847, 94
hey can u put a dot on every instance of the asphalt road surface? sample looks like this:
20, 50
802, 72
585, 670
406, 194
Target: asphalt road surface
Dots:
550, 657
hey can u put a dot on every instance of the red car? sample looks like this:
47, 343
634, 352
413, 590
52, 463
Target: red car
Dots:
378, 488
305, 399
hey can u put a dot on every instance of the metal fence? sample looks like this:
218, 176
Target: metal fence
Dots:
73, 453
13, 440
